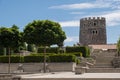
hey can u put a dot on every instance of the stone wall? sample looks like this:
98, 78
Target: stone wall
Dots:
5, 77
36, 67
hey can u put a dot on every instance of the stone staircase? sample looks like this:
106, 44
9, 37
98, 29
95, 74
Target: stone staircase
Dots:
103, 63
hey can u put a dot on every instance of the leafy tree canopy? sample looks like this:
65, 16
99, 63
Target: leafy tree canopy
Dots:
44, 32
9, 37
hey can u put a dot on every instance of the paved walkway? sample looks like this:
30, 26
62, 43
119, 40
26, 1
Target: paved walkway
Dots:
71, 75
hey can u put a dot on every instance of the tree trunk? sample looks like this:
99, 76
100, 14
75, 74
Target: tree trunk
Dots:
36, 49
44, 67
8, 60
4, 51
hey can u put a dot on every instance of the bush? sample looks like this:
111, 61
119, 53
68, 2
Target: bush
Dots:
34, 58
40, 58
48, 50
2, 51
13, 59
78, 54
42, 54
30, 47
62, 58
84, 50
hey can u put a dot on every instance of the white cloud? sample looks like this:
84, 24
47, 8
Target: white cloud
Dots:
113, 4
72, 23
74, 39
93, 4
112, 19
77, 13
112, 15
80, 6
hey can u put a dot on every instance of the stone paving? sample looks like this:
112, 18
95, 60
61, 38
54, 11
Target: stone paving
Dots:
71, 75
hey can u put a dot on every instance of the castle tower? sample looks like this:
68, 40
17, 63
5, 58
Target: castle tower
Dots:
92, 31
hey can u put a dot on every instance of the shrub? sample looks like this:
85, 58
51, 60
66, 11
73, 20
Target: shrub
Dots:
2, 51
78, 54
48, 50
13, 59
62, 58
34, 58
30, 47
42, 54
84, 50
72, 49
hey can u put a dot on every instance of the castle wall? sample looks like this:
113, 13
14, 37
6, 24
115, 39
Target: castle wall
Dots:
92, 31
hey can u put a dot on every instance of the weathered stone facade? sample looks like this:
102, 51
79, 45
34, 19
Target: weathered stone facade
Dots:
92, 31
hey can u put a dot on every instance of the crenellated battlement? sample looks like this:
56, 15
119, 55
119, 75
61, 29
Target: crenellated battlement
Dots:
92, 18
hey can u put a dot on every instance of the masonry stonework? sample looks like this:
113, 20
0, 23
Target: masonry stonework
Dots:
92, 31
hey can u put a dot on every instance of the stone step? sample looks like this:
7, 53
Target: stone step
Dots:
103, 54
103, 70
104, 59
103, 64
101, 67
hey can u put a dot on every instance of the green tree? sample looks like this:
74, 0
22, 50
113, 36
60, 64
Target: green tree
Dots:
9, 39
118, 47
17, 36
44, 33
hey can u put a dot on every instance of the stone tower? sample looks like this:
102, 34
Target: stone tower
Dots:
92, 31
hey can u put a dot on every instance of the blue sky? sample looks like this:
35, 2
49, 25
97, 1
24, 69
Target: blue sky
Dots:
66, 12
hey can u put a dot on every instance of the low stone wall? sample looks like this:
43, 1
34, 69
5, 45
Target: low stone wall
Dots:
36, 67
55, 67
9, 77
103, 70
5, 77
4, 67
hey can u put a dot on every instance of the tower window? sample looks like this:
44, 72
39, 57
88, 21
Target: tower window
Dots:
84, 24
94, 31
95, 24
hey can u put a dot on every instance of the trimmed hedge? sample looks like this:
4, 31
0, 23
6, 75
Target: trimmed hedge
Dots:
78, 54
62, 58
42, 54
13, 59
84, 50
48, 50
40, 58
52, 57
34, 58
